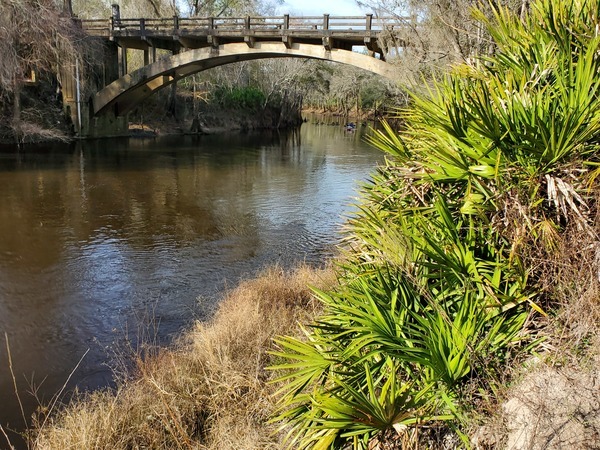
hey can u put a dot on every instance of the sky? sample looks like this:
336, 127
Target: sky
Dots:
319, 7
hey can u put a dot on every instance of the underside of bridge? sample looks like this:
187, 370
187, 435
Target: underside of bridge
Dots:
124, 94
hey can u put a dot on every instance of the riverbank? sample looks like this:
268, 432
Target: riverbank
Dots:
214, 121
45, 122
42, 118
211, 390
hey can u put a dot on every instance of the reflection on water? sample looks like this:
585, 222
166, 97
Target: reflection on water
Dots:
98, 237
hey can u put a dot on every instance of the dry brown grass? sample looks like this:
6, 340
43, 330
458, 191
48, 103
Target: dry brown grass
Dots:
552, 401
208, 392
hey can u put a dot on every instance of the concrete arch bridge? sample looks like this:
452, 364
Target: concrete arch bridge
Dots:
198, 44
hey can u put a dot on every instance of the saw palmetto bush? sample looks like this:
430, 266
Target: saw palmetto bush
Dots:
436, 285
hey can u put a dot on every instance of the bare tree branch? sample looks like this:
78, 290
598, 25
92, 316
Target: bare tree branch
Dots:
35, 35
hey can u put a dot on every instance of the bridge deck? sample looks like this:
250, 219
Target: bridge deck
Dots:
195, 32
199, 44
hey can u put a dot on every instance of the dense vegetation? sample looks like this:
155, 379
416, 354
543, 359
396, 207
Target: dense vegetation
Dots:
35, 36
443, 262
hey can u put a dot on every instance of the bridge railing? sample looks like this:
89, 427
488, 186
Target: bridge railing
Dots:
107, 27
97, 27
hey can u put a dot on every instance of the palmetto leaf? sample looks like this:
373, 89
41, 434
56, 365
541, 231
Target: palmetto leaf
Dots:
308, 362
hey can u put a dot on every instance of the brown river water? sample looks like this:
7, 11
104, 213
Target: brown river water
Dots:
109, 242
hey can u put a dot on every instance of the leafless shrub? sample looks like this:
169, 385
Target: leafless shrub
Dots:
32, 133
36, 37
433, 34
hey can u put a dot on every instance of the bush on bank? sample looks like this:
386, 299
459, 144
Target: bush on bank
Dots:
448, 253
240, 97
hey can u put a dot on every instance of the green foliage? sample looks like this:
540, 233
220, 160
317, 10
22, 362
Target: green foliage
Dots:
433, 289
377, 95
240, 97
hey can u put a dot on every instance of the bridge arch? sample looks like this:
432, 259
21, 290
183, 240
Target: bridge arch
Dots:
124, 94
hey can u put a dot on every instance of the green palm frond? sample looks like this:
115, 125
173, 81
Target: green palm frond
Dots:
306, 363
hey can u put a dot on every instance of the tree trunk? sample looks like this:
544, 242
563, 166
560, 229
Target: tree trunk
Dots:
68, 7
155, 7
16, 118
17, 103
172, 101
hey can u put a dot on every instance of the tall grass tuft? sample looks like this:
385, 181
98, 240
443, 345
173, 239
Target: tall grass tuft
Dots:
210, 391
441, 271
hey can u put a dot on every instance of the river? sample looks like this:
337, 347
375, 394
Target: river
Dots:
107, 243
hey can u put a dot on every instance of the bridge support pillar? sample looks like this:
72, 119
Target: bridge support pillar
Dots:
149, 53
68, 86
110, 64
79, 109
122, 61
373, 47
213, 41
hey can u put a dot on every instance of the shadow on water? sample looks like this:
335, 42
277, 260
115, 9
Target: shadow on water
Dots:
102, 239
